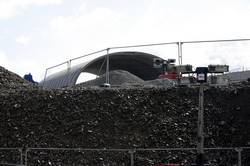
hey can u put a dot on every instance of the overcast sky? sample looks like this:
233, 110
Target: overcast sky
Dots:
36, 34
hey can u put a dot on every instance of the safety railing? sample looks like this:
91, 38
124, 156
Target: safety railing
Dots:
239, 156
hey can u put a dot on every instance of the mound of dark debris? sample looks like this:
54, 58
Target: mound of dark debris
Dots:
10, 80
123, 119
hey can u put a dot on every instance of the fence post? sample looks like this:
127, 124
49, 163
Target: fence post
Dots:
107, 66
26, 157
179, 52
239, 150
200, 144
45, 76
68, 72
132, 157
21, 155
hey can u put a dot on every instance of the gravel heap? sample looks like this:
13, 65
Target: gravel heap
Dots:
123, 118
116, 78
121, 78
10, 80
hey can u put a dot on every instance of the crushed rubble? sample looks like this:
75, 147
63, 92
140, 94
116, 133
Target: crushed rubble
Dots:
121, 118
10, 80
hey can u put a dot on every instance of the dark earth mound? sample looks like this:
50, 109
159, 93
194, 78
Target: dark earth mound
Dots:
125, 119
10, 80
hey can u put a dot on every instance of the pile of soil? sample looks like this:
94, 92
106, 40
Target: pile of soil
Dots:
123, 118
10, 80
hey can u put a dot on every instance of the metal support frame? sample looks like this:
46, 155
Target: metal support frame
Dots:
239, 150
100, 69
180, 52
68, 70
26, 157
107, 66
45, 76
200, 144
21, 156
132, 157
69, 65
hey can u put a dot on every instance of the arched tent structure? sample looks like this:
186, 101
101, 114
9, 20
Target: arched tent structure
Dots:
137, 63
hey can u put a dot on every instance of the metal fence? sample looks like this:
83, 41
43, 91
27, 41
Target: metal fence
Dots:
239, 156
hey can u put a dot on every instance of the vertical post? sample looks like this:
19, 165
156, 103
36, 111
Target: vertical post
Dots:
68, 72
179, 52
132, 157
26, 157
107, 66
69, 65
45, 75
239, 150
200, 145
21, 155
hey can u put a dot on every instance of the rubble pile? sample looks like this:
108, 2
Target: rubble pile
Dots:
123, 118
10, 80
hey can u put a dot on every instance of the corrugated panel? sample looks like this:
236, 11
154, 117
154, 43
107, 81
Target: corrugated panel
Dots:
63, 78
69, 77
